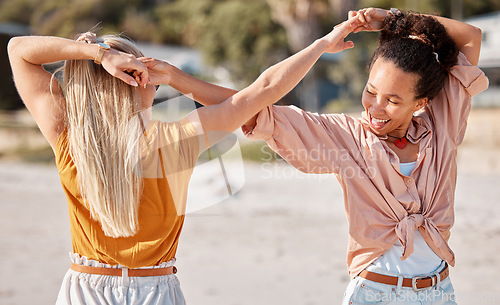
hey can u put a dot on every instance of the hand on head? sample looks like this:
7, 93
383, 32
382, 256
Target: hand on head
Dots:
371, 18
158, 70
121, 65
125, 67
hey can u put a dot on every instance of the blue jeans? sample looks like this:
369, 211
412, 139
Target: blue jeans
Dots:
361, 291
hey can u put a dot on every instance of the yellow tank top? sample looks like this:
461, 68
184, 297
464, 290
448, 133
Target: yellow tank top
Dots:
169, 154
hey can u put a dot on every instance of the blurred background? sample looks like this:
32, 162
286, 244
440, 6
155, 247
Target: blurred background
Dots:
260, 245
233, 41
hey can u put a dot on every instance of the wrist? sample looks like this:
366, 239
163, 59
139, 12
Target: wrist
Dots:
171, 74
321, 44
102, 48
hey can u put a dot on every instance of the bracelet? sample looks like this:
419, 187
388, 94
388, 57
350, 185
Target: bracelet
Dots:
100, 52
394, 11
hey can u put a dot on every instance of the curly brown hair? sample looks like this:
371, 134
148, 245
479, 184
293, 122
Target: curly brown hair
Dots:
411, 41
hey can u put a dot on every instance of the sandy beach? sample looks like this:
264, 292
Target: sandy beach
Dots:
280, 240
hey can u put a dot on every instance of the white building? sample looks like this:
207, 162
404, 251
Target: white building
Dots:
489, 59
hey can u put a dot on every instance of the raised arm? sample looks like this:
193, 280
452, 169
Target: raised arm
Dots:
271, 85
203, 92
45, 102
229, 109
467, 37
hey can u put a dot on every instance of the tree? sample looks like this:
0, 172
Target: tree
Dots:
243, 36
182, 21
244, 43
340, 8
300, 19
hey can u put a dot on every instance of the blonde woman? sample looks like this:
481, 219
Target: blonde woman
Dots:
125, 176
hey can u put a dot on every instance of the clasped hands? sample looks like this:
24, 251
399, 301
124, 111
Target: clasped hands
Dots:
145, 70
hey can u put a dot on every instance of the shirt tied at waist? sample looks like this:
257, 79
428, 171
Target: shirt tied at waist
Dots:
405, 230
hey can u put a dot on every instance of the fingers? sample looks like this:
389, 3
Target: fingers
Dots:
127, 78
142, 74
350, 24
136, 75
361, 29
371, 19
126, 67
348, 45
368, 15
148, 62
138, 70
361, 16
87, 37
145, 60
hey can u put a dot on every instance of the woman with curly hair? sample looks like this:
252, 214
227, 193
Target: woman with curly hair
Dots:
126, 176
397, 163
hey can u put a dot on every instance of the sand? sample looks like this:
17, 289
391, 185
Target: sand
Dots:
280, 240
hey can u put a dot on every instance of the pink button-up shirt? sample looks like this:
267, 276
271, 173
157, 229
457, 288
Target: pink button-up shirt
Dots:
382, 204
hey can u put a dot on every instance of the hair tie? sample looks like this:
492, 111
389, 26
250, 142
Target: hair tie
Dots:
414, 37
437, 56
394, 11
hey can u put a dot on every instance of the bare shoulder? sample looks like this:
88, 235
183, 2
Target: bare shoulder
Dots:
43, 97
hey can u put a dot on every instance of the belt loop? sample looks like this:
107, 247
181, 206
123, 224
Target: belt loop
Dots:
125, 278
438, 278
400, 284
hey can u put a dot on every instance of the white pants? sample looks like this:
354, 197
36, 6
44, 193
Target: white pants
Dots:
361, 291
82, 288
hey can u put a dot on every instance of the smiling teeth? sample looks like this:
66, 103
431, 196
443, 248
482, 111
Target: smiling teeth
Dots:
380, 121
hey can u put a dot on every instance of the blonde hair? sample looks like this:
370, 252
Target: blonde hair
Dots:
104, 127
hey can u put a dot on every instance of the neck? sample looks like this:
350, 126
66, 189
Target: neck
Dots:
400, 142
399, 132
396, 137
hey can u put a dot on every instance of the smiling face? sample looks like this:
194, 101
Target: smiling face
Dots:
389, 99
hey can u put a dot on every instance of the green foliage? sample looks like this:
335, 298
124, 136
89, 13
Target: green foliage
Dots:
241, 36
18, 11
139, 25
182, 21
237, 34
66, 17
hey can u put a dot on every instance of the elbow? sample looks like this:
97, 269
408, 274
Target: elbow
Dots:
265, 80
472, 37
474, 45
477, 36
267, 86
266, 92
